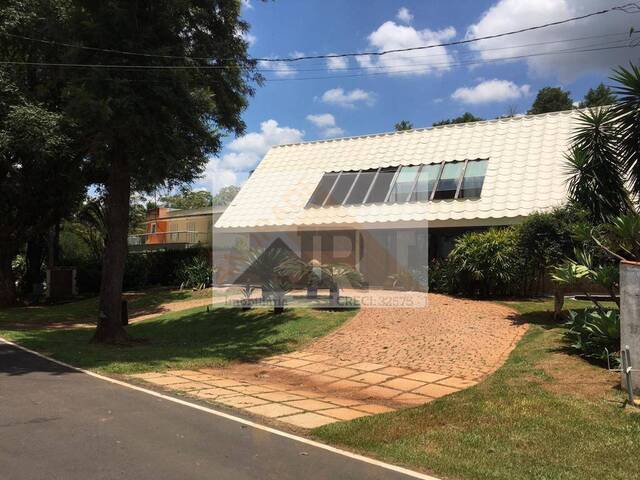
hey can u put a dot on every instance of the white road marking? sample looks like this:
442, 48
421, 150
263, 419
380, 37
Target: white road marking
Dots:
345, 453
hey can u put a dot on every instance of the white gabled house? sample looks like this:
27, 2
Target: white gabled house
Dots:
395, 200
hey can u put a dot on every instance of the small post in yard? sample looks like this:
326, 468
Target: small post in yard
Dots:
124, 313
630, 320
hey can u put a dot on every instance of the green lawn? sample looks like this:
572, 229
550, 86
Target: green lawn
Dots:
86, 310
543, 415
187, 339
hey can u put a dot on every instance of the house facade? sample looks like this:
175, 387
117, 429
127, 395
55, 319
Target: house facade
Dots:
169, 228
392, 202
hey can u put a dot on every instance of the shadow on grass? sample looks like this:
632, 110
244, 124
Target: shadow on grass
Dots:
86, 310
182, 339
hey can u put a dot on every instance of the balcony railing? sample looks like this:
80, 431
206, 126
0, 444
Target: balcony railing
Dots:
167, 240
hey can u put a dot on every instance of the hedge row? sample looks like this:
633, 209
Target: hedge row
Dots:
159, 268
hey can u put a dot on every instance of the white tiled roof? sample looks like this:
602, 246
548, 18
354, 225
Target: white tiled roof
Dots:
526, 172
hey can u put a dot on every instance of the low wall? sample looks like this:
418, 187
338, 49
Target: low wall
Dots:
630, 316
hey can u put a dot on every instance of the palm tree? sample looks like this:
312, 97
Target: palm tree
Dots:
265, 267
340, 275
605, 155
301, 272
627, 117
596, 174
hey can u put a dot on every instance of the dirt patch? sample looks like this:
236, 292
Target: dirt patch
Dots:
574, 376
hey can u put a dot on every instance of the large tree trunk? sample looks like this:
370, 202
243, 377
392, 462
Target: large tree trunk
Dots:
34, 256
110, 329
7, 280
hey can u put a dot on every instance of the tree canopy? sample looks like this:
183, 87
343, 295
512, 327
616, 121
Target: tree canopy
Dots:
598, 97
155, 116
465, 118
225, 196
41, 171
187, 199
403, 125
551, 99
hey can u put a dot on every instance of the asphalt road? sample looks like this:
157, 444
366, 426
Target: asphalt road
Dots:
57, 423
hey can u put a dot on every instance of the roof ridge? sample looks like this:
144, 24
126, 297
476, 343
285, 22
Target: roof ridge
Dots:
433, 127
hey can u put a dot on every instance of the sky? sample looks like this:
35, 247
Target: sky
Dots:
321, 99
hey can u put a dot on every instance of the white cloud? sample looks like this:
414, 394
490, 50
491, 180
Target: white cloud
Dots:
338, 96
391, 36
337, 63
247, 4
333, 132
322, 120
404, 15
218, 176
270, 134
244, 153
326, 123
279, 69
491, 91
508, 15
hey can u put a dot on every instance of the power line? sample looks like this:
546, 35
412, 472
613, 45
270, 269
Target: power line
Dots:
324, 77
460, 64
576, 49
626, 8
405, 64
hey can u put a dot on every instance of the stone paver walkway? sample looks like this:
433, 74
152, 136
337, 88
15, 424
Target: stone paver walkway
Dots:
309, 390
381, 360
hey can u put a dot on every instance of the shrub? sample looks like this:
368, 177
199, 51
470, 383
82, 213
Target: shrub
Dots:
195, 273
594, 333
159, 268
544, 239
487, 263
442, 277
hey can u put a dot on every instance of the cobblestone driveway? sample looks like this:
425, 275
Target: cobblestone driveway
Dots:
381, 360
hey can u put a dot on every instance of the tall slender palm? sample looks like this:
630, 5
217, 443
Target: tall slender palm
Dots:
596, 175
605, 157
627, 118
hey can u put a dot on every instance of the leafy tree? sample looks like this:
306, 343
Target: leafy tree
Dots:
465, 118
155, 125
598, 97
225, 196
551, 99
188, 199
403, 125
39, 168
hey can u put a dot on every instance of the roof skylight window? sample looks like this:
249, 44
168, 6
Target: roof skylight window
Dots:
340, 189
404, 184
381, 185
449, 181
460, 179
361, 187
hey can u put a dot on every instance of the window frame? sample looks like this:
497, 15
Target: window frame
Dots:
465, 172
398, 168
373, 182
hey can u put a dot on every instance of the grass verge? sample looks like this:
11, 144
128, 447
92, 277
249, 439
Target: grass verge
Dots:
147, 301
187, 339
543, 415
